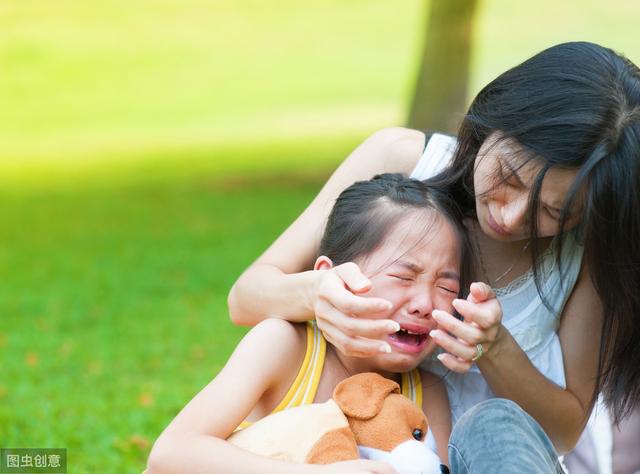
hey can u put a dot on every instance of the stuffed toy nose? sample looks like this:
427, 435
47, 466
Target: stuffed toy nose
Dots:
409, 457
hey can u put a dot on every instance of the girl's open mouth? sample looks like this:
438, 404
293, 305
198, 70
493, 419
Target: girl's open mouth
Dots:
409, 340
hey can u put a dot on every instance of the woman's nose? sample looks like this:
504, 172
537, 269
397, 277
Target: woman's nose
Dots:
514, 213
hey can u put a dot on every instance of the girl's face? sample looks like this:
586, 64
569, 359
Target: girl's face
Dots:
503, 182
417, 269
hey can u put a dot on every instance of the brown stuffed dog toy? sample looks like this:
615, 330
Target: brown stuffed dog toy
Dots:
366, 418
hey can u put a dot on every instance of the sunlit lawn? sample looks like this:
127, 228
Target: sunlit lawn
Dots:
113, 308
149, 150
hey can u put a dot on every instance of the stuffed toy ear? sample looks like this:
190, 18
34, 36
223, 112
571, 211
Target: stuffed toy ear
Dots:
361, 396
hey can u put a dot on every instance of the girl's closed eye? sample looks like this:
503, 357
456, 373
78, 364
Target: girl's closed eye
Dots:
402, 277
449, 290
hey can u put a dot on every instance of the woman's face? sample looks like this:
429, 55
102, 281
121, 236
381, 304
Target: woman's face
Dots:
503, 181
417, 269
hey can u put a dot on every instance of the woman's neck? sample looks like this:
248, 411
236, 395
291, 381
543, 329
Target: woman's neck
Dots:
497, 262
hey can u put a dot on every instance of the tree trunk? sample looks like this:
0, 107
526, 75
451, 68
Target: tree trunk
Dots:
439, 99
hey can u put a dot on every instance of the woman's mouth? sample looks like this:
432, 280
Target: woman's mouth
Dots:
498, 229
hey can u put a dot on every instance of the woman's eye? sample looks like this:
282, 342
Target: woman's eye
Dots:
508, 177
551, 214
512, 181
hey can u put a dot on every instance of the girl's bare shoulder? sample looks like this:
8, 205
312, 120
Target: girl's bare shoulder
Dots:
277, 336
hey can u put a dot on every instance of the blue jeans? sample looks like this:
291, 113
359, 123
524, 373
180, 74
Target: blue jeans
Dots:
497, 436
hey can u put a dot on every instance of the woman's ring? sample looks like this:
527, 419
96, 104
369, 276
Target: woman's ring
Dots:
479, 353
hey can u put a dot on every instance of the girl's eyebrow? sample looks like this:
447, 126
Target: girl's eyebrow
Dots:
450, 275
410, 266
418, 269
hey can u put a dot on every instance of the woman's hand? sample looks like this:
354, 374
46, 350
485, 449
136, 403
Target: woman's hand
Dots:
342, 314
482, 324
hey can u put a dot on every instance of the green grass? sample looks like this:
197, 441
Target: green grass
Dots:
113, 306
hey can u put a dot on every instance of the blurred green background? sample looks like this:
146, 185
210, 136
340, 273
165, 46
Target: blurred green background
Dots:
150, 150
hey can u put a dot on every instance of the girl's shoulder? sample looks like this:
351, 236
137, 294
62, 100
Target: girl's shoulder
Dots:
272, 352
279, 334
276, 342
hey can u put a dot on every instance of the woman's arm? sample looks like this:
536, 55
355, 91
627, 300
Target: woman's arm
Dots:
562, 413
435, 404
277, 285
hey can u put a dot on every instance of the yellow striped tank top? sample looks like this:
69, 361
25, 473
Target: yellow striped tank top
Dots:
304, 388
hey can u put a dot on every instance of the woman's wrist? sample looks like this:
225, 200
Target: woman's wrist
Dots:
499, 345
310, 291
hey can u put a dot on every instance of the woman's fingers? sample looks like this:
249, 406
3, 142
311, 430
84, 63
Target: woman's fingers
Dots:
332, 290
460, 329
455, 364
354, 336
480, 291
352, 346
486, 314
344, 316
455, 347
354, 326
353, 277
482, 315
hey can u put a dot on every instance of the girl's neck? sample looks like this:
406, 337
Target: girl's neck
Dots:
347, 366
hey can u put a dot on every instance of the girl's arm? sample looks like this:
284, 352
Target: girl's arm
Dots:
265, 362
277, 285
195, 440
435, 404
562, 413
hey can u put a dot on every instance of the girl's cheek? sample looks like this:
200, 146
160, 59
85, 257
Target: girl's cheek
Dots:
445, 304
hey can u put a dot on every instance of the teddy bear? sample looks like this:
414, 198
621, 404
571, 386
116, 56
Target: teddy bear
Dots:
367, 418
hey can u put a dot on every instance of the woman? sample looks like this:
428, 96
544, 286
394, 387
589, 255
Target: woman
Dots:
546, 167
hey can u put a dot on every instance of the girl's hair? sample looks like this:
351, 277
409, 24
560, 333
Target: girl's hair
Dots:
576, 105
365, 213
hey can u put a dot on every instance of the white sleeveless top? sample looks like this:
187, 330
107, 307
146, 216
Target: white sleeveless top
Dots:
532, 325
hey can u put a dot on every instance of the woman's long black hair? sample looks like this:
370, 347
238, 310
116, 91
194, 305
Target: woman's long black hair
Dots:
577, 105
